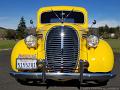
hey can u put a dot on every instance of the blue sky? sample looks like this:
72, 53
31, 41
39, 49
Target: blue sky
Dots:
104, 11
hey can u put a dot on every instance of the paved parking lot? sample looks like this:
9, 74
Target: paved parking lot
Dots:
9, 83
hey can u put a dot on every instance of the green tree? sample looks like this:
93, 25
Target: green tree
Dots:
101, 30
22, 29
106, 28
117, 32
11, 34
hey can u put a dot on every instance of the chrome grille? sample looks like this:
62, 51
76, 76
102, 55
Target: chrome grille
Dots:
61, 49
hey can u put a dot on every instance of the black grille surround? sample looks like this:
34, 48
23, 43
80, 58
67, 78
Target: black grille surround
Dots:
62, 46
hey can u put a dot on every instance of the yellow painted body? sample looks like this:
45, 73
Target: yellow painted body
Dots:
100, 59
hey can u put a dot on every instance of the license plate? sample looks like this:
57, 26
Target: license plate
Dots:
26, 64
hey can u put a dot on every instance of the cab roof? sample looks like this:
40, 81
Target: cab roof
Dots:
66, 8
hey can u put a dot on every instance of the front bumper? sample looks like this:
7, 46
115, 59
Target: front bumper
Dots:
62, 76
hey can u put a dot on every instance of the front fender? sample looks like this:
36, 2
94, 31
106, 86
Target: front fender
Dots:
101, 58
22, 49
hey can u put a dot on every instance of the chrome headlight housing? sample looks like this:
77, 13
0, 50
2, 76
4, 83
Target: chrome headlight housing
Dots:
31, 41
92, 41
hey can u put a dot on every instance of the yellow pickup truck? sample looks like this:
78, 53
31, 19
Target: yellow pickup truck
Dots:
62, 49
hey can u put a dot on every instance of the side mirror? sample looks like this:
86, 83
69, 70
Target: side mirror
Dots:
94, 22
91, 29
32, 29
31, 21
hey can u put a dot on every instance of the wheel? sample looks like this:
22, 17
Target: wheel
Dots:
102, 82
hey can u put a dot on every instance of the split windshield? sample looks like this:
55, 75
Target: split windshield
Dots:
62, 16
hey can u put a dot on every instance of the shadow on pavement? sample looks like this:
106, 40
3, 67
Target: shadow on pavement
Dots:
71, 83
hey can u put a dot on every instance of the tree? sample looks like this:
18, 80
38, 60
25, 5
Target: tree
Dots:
106, 28
101, 31
22, 29
10, 34
117, 32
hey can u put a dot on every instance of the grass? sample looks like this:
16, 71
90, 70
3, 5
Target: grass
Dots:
5, 44
115, 44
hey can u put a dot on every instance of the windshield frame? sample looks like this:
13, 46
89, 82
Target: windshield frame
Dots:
64, 17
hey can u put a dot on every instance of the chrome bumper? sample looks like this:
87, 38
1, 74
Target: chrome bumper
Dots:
62, 76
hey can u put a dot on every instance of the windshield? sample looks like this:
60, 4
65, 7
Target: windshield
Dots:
62, 16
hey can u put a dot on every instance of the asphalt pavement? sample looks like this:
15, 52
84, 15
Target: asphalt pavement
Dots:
9, 83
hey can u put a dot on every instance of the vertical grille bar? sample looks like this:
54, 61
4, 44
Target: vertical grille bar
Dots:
62, 49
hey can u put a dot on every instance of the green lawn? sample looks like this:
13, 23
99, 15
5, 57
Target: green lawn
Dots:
4, 44
115, 44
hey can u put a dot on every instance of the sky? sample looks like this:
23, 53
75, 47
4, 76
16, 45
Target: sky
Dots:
103, 11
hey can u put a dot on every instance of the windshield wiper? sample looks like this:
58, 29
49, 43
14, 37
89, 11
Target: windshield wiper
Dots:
57, 16
68, 14
62, 19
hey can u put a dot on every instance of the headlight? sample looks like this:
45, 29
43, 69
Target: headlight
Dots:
92, 41
31, 41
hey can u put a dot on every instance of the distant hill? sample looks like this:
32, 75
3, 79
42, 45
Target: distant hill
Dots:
4, 32
2, 29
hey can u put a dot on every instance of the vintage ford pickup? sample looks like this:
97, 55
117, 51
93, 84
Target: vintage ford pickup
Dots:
62, 49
